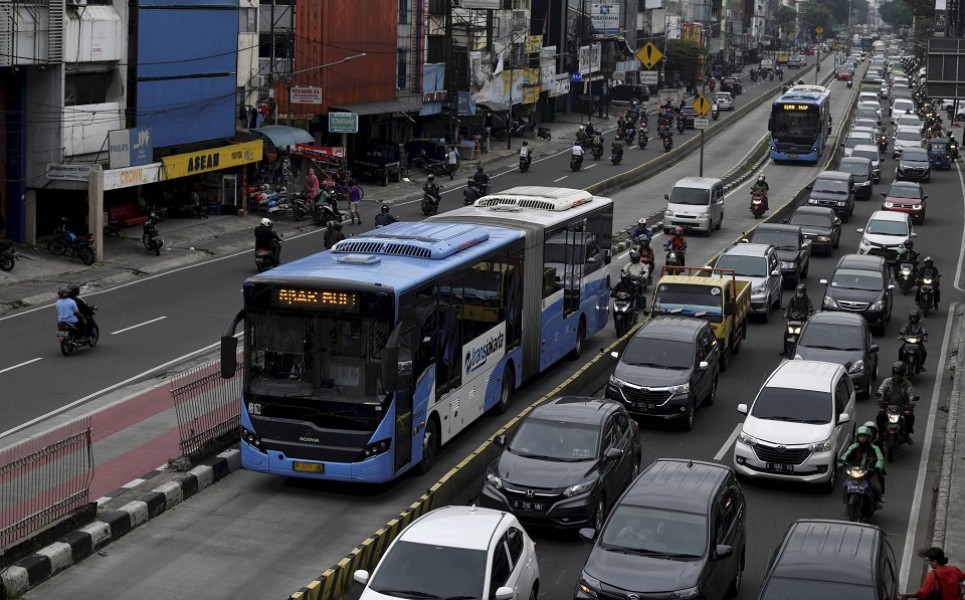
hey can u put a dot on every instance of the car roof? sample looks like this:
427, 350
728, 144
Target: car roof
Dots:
906, 184
779, 227
834, 175
887, 215
698, 182
468, 527
677, 484
860, 160
810, 375
749, 249
865, 262
828, 550
814, 210
865, 148
837, 317
575, 409
682, 329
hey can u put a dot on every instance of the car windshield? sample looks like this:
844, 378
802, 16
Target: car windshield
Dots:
866, 113
887, 227
793, 405
870, 155
780, 588
908, 136
411, 570
855, 139
831, 337
831, 186
854, 168
661, 354
904, 191
686, 195
745, 266
689, 300
555, 440
914, 155
909, 121
785, 240
657, 532
810, 219
855, 279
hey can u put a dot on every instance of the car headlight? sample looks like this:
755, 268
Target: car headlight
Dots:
879, 305
824, 238
761, 289
589, 585
580, 488
615, 382
889, 204
864, 243
821, 446
812, 201
494, 480
842, 203
829, 302
746, 439
916, 207
856, 367
675, 390
668, 213
786, 264
693, 592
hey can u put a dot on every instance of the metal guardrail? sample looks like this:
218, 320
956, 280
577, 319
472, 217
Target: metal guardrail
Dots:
43, 479
207, 409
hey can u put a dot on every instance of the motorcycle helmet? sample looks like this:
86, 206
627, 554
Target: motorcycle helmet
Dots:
678, 230
330, 225
642, 222
928, 262
800, 291
873, 427
761, 178
524, 143
266, 223
431, 177
863, 431
73, 289
385, 209
899, 368
62, 293
625, 276
909, 244
634, 256
645, 243
914, 315
479, 168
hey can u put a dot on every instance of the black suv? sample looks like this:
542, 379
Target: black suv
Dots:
679, 531
793, 250
668, 370
861, 284
913, 165
843, 339
819, 225
832, 559
566, 463
862, 171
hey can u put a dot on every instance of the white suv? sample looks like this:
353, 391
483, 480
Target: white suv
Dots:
798, 424
885, 233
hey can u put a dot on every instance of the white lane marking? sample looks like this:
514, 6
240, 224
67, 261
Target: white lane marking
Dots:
588, 167
23, 364
961, 250
561, 178
730, 442
138, 325
908, 553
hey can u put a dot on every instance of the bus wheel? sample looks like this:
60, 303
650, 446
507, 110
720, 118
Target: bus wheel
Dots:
506, 391
430, 446
580, 336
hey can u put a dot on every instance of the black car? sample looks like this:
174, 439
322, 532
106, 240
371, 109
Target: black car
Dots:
689, 115
832, 559
627, 92
862, 170
668, 370
566, 463
843, 339
679, 531
819, 225
732, 85
861, 284
834, 189
793, 250
913, 165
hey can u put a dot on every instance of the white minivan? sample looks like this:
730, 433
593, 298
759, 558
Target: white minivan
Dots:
696, 204
899, 107
798, 425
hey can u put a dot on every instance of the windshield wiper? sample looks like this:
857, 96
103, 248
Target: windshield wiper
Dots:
815, 421
823, 347
679, 555
628, 550
777, 418
407, 593
539, 456
648, 364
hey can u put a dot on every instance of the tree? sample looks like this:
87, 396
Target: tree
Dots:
683, 60
813, 16
895, 13
785, 17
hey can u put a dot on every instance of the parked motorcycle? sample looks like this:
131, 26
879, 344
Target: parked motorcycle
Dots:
907, 276
151, 237
576, 162
80, 246
926, 295
544, 133
474, 191
757, 204
71, 337
858, 495
624, 312
8, 255
430, 203
911, 353
792, 331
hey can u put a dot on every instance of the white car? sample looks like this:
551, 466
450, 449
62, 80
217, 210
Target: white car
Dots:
906, 136
857, 139
885, 233
900, 107
868, 97
871, 105
798, 424
457, 552
909, 120
759, 265
724, 101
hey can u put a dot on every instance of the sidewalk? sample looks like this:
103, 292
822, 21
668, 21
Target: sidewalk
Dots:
949, 527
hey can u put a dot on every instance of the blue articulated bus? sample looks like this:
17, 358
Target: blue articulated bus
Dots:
361, 362
800, 125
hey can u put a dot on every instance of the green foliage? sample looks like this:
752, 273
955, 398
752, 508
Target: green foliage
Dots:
683, 59
784, 17
816, 15
895, 13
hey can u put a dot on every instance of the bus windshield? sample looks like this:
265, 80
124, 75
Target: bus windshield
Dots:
801, 126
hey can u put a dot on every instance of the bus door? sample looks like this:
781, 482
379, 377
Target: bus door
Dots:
400, 350
573, 270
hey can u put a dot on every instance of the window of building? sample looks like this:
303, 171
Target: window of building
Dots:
247, 20
403, 69
403, 12
87, 88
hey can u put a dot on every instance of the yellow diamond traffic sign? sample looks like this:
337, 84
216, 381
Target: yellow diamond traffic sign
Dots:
649, 55
819, 30
701, 106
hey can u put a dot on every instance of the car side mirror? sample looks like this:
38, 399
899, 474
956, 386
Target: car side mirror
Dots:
873, 348
860, 230
776, 272
924, 197
742, 409
723, 551
785, 221
823, 281
361, 576
614, 355
891, 286
505, 593
703, 365
913, 234
500, 440
745, 241
810, 187
884, 195
587, 534
614, 453
844, 418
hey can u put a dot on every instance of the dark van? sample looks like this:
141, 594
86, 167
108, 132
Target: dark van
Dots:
835, 190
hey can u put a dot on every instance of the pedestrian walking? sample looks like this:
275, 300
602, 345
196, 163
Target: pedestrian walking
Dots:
452, 161
311, 185
355, 198
942, 582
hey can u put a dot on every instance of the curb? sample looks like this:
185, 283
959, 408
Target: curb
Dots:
944, 484
110, 525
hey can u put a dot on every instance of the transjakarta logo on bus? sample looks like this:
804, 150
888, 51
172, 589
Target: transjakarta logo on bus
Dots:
480, 349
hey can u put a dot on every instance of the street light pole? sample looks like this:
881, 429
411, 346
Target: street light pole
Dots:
291, 77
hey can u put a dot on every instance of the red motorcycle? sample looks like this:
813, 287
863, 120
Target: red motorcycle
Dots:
758, 204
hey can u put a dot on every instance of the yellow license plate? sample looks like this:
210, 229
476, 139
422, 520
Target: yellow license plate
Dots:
792, 156
305, 467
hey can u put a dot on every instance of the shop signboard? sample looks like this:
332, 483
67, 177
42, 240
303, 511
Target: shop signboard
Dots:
214, 159
69, 172
605, 18
343, 122
130, 147
306, 95
116, 179
325, 153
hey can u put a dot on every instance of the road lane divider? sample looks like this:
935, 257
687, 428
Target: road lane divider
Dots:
126, 329
23, 364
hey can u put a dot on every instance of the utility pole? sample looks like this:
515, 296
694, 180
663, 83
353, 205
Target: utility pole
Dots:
271, 64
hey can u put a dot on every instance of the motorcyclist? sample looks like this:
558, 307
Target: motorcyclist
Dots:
616, 147
640, 230
480, 176
897, 390
907, 254
625, 285
761, 187
678, 242
526, 153
267, 238
915, 328
73, 290
646, 253
333, 234
431, 189
68, 312
384, 217
637, 269
581, 136
799, 307
928, 269
864, 453
577, 152
621, 124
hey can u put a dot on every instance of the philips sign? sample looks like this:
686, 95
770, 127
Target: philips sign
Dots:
130, 147
490, 345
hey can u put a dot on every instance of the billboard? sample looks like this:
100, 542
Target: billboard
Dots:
130, 147
605, 18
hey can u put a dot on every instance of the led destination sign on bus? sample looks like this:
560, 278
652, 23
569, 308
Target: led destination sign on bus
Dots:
795, 106
318, 298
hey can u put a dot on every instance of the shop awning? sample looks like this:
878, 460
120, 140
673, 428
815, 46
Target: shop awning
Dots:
388, 106
283, 136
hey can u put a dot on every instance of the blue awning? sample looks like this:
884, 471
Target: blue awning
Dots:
283, 136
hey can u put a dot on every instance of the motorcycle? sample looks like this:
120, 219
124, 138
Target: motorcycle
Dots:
757, 204
266, 258
151, 238
430, 203
71, 337
474, 191
8, 255
911, 353
753, 75
597, 151
926, 295
301, 206
643, 138
674, 258
80, 246
616, 155
667, 142
882, 143
780, 75
544, 133
524, 163
906, 277
894, 434
714, 114
628, 133
576, 162
851, 83
325, 212
792, 331
858, 495
624, 312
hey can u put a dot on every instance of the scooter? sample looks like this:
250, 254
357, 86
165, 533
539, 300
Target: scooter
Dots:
624, 312
616, 154
851, 83
325, 213
667, 142
681, 126
628, 133
301, 206
757, 204
926, 295
266, 258
674, 258
430, 203
643, 138
576, 162
858, 495
882, 143
72, 338
8, 255
524, 164
714, 114
910, 353
151, 238
80, 246
544, 133
906, 277
597, 151
792, 331
474, 191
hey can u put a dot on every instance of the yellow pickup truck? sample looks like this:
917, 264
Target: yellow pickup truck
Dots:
783, 57
715, 295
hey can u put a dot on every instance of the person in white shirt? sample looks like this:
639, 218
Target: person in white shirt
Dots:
577, 150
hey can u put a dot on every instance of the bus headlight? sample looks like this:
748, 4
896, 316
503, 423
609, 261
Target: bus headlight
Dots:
376, 448
252, 439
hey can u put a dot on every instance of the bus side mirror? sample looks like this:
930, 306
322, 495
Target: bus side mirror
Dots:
229, 346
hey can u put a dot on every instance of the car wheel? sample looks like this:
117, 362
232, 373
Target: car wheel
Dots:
506, 391
689, 418
533, 593
834, 246
712, 395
